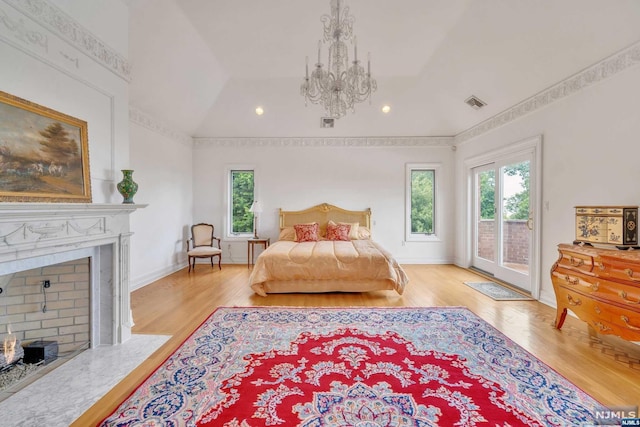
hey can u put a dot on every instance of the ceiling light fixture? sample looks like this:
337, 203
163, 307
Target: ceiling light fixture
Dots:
259, 111
386, 109
340, 86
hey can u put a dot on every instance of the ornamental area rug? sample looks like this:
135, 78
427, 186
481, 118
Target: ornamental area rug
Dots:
279, 366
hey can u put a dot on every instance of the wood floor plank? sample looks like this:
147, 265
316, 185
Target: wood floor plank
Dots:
606, 367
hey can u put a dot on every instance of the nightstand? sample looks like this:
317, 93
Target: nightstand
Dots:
250, 248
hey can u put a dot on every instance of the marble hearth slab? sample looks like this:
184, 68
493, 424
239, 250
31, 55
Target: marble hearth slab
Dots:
65, 393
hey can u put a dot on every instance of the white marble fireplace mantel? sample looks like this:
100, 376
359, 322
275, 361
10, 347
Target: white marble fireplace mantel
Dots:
38, 234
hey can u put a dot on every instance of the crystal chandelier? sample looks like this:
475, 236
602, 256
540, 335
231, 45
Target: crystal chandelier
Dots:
340, 86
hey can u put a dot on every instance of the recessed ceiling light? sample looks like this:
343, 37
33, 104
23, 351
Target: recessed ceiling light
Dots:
386, 109
259, 111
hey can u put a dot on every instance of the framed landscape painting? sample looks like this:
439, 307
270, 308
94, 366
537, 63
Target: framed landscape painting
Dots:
44, 154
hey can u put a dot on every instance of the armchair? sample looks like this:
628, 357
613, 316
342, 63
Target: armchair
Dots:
201, 245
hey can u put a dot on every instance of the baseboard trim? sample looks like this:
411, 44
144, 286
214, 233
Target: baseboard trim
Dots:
142, 281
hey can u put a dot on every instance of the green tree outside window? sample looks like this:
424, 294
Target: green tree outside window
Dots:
517, 205
242, 195
422, 201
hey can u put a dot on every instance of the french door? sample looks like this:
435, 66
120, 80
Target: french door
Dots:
503, 219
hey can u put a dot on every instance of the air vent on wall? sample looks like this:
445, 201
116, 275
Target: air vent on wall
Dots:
327, 122
474, 102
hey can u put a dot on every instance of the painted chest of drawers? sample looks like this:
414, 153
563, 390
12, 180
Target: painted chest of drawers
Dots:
613, 225
601, 287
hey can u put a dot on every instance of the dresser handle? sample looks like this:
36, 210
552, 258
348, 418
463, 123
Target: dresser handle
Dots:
623, 295
601, 266
630, 273
572, 301
595, 286
575, 263
625, 319
601, 326
571, 280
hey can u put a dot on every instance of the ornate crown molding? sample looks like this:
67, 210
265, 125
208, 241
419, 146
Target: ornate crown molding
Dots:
418, 141
58, 22
604, 69
145, 120
21, 32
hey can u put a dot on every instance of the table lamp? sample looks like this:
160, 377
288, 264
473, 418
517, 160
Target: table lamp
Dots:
255, 208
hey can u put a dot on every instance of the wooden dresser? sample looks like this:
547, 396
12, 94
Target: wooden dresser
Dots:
601, 286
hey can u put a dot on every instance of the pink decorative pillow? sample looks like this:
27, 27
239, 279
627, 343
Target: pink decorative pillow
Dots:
338, 231
306, 232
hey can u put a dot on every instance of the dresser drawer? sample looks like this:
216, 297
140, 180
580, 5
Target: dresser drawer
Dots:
617, 292
576, 260
616, 269
604, 317
573, 280
591, 210
612, 319
582, 306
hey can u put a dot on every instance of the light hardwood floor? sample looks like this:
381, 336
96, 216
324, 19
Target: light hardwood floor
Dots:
606, 367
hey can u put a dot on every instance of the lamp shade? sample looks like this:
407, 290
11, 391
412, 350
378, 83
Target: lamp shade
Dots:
256, 207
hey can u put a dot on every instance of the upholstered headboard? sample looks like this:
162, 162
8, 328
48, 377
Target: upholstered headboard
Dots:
322, 214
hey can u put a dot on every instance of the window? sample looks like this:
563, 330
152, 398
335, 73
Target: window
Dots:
242, 186
421, 194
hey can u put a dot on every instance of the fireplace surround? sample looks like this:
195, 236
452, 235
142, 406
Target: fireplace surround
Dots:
40, 234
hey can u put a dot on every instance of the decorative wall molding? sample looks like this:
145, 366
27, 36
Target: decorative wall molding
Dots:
52, 59
154, 124
21, 32
418, 141
59, 23
604, 69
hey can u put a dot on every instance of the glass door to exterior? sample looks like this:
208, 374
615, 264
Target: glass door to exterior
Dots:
503, 220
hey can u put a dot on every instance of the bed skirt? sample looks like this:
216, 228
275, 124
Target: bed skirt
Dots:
317, 286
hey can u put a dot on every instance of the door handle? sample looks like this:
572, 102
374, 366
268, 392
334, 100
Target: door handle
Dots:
530, 223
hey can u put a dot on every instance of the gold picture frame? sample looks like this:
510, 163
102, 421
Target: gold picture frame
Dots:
44, 154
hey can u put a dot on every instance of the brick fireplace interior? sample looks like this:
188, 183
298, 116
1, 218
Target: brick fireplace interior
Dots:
58, 312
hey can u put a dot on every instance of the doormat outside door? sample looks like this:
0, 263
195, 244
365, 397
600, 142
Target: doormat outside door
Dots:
498, 292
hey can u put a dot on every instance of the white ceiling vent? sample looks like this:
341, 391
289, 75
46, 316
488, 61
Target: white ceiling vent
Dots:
475, 102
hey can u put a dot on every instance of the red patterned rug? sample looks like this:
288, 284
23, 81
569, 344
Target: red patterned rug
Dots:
278, 366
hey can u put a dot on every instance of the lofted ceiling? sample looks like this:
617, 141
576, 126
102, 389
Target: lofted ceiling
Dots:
203, 66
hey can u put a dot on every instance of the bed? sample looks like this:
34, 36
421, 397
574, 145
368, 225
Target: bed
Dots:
333, 262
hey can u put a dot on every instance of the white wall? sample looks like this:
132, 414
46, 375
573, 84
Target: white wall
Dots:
590, 157
163, 168
48, 69
351, 177
56, 70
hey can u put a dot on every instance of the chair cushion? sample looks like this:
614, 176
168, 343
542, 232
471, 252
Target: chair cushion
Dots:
202, 234
204, 251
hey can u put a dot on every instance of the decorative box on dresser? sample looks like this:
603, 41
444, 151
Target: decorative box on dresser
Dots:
601, 287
